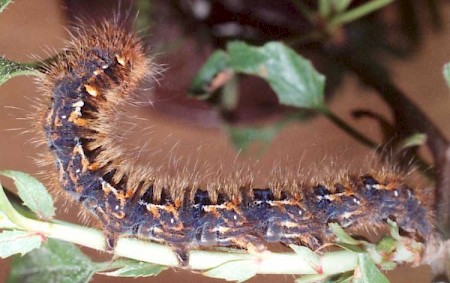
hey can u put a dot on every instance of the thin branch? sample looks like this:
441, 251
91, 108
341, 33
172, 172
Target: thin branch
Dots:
348, 129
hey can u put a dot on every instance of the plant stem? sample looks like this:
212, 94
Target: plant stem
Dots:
348, 129
359, 12
324, 8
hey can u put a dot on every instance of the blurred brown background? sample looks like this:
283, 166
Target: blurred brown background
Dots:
36, 28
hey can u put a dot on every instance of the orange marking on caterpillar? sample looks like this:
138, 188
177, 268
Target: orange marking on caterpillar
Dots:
90, 89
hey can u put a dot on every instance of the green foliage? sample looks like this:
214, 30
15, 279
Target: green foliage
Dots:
339, 5
293, 78
217, 63
386, 245
124, 267
368, 272
10, 69
4, 4
34, 195
356, 13
309, 256
5, 222
342, 236
14, 242
55, 261
239, 271
242, 137
417, 139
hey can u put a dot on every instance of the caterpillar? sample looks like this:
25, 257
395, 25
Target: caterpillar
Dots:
99, 72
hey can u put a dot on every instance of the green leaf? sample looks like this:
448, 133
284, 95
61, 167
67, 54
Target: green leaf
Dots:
10, 69
367, 271
346, 277
393, 229
217, 63
239, 271
446, 72
5, 222
414, 140
132, 268
33, 193
4, 4
350, 247
242, 137
386, 245
15, 242
55, 261
359, 12
292, 77
342, 236
309, 256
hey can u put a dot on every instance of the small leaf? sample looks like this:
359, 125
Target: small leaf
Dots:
359, 12
342, 236
55, 261
242, 137
292, 77
202, 83
133, 268
33, 193
14, 242
351, 247
346, 277
239, 271
387, 265
393, 229
414, 140
5, 222
309, 256
386, 245
3, 5
10, 69
446, 72
367, 271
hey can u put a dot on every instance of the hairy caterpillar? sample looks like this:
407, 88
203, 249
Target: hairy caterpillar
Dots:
99, 72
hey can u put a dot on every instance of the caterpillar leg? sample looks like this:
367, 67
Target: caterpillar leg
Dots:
110, 241
182, 255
